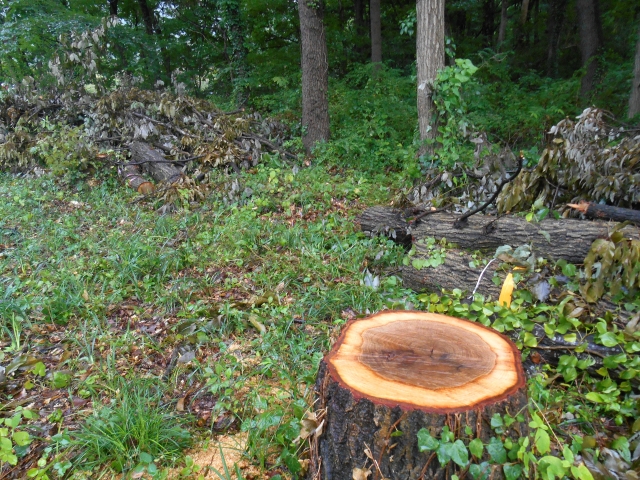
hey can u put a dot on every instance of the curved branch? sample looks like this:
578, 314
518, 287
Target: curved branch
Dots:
461, 220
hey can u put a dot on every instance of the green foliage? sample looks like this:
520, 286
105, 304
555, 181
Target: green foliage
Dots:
132, 434
452, 121
371, 114
614, 262
14, 440
517, 110
29, 35
430, 254
65, 150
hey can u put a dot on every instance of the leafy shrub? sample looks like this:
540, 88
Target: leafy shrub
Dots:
65, 149
373, 118
517, 111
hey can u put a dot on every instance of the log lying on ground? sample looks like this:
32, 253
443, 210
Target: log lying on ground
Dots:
394, 373
154, 163
455, 272
550, 349
568, 239
132, 175
607, 212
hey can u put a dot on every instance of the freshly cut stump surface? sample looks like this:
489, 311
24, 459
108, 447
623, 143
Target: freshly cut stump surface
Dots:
400, 371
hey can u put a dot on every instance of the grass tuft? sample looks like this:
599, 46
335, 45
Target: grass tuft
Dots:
133, 432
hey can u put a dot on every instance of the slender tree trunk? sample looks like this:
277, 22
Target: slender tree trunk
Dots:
358, 8
504, 18
590, 28
234, 27
488, 24
555, 19
359, 46
147, 16
113, 8
315, 81
376, 32
430, 59
521, 36
634, 99
524, 13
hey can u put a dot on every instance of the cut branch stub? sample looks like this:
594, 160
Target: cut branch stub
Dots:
396, 372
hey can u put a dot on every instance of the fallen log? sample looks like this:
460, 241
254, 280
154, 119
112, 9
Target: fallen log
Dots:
566, 239
455, 272
550, 349
607, 212
132, 175
154, 163
392, 374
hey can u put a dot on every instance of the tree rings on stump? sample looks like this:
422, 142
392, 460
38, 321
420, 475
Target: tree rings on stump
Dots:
396, 372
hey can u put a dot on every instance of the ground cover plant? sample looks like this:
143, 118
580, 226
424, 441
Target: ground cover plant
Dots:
175, 330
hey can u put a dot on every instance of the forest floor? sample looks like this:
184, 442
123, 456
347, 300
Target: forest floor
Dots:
208, 324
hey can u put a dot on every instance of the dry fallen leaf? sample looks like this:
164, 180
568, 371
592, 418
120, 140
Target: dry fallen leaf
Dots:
361, 473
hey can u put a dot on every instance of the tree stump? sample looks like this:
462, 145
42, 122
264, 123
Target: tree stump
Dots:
393, 373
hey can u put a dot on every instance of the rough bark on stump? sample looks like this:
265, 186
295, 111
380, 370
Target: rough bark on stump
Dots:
153, 163
569, 239
400, 371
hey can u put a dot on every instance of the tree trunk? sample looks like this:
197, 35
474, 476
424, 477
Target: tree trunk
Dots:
376, 31
430, 59
147, 16
392, 374
634, 99
555, 19
315, 81
132, 176
154, 163
234, 27
590, 28
504, 18
113, 8
567, 239
524, 12
488, 22
455, 272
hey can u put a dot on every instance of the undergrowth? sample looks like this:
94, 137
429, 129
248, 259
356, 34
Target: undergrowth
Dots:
217, 317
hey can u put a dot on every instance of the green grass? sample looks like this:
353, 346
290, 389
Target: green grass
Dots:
131, 433
119, 287
96, 288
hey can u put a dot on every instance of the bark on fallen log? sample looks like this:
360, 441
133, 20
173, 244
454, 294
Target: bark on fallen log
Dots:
549, 350
568, 239
607, 212
132, 175
154, 163
455, 272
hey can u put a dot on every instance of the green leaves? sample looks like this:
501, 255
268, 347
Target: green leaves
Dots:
476, 447
542, 441
446, 449
426, 442
496, 450
456, 451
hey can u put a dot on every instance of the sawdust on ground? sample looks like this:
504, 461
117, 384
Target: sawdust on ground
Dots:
209, 460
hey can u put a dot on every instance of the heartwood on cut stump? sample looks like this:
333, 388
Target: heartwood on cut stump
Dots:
400, 371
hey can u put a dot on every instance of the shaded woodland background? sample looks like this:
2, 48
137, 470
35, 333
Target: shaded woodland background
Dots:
247, 53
